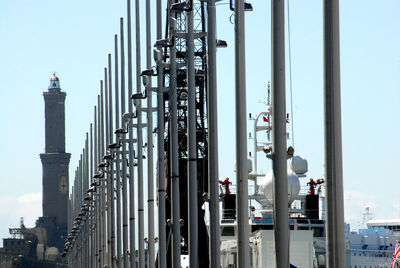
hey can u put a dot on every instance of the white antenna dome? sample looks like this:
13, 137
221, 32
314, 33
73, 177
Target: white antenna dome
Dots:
249, 166
265, 186
299, 165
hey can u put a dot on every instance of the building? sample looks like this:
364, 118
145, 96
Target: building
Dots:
41, 245
55, 163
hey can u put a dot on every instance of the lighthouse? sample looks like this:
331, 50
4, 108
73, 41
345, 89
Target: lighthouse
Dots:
55, 162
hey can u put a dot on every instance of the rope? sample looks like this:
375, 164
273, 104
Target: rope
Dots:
290, 72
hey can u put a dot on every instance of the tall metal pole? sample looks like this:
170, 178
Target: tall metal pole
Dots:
192, 145
173, 132
117, 156
111, 168
279, 160
75, 204
212, 116
80, 255
132, 233
150, 169
74, 188
96, 196
83, 224
162, 249
138, 104
93, 207
86, 220
106, 103
102, 186
85, 188
243, 256
69, 223
77, 261
110, 102
335, 242
107, 174
79, 184
98, 210
81, 229
123, 158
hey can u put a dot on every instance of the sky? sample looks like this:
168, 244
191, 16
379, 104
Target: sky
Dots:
73, 38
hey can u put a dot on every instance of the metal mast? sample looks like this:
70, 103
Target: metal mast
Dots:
117, 157
243, 256
124, 156
183, 162
150, 169
138, 104
192, 147
181, 59
279, 157
162, 251
215, 231
335, 242
132, 233
173, 139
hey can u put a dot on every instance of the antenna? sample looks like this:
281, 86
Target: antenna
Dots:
367, 215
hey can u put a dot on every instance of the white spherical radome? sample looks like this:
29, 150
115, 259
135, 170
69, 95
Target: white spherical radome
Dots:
299, 164
266, 188
249, 166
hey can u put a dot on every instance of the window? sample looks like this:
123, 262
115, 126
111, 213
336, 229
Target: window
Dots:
228, 231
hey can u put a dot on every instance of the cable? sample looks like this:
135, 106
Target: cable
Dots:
290, 73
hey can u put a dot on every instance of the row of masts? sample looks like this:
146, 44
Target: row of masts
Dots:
102, 216
103, 203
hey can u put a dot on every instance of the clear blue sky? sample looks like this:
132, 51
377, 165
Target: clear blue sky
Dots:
74, 37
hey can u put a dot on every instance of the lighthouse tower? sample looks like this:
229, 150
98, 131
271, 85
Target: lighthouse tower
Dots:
55, 163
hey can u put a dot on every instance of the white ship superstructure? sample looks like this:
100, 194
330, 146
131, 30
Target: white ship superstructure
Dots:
375, 245
372, 247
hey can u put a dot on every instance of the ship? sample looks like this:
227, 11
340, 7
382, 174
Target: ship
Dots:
371, 247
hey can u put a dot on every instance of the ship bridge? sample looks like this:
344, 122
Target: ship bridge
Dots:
391, 224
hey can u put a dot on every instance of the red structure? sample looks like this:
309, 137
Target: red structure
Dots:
313, 184
226, 183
